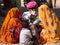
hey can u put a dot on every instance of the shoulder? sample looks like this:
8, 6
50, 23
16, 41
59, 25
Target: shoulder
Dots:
26, 13
25, 30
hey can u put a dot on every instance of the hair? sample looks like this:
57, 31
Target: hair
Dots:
32, 17
25, 24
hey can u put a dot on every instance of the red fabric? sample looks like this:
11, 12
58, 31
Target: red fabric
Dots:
17, 32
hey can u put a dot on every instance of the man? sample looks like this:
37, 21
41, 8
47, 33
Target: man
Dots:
25, 34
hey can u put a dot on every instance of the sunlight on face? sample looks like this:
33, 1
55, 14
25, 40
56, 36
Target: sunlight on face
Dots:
33, 12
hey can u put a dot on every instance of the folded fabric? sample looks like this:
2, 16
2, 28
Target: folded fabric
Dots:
32, 4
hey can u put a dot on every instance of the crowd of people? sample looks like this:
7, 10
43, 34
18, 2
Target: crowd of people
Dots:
31, 27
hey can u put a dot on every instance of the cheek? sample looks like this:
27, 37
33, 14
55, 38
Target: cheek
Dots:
33, 11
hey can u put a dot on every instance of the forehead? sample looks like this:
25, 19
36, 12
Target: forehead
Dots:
33, 9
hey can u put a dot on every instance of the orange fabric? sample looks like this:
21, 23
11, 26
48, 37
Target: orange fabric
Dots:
50, 22
11, 21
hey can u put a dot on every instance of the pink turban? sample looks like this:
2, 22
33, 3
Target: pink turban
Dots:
31, 4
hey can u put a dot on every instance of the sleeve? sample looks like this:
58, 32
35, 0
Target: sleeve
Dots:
25, 15
38, 20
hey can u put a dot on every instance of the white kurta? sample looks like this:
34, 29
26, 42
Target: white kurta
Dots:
25, 37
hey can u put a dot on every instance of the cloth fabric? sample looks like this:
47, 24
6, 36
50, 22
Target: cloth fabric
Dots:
11, 21
50, 23
25, 36
37, 21
31, 4
26, 15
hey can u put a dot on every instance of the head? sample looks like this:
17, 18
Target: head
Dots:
31, 7
32, 18
14, 13
25, 24
43, 9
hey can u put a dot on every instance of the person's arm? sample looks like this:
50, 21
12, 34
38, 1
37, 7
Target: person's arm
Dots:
37, 21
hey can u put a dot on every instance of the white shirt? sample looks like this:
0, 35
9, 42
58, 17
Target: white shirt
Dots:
26, 15
25, 36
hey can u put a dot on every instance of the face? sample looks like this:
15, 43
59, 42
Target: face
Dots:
33, 12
